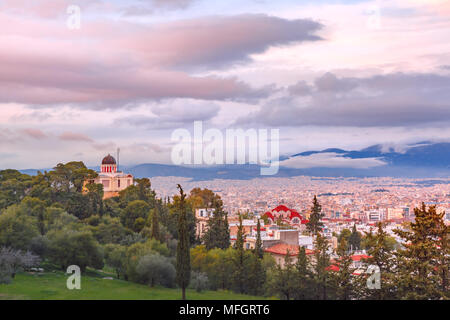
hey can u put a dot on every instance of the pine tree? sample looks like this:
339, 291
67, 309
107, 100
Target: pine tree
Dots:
283, 279
217, 234
343, 277
381, 254
183, 266
443, 259
423, 263
302, 267
258, 276
320, 267
315, 224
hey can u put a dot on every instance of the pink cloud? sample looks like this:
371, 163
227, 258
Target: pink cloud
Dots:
34, 133
43, 62
45, 8
71, 136
219, 40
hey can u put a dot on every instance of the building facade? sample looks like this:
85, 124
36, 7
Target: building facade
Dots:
112, 180
202, 216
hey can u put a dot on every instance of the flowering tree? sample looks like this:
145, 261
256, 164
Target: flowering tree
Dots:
13, 261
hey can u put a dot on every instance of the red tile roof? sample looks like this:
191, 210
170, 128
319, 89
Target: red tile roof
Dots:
359, 257
335, 264
260, 229
281, 208
332, 268
269, 215
282, 249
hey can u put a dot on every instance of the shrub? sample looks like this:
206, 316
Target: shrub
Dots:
17, 229
199, 281
155, 269
69, 247
115, 257
39, 245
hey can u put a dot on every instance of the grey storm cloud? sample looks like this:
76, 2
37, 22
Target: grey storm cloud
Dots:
329, 82
301, 88
397, 99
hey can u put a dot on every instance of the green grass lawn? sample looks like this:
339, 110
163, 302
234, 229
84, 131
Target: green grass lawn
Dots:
52, 286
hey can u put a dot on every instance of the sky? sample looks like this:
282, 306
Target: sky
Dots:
327, 74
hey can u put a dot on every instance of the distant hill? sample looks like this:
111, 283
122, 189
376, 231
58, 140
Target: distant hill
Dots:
421, 160
421, 155
240, 172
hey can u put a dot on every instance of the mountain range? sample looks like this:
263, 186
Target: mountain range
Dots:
421, 155
421, 160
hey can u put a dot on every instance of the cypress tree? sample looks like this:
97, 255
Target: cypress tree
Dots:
354, 241
155, 224
258, 275
239, 260
183, 266
225, 230
258, 244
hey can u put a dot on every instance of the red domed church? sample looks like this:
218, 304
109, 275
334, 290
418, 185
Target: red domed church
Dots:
290, 216
112, 180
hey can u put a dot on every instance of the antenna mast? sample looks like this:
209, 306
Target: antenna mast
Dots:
118, 159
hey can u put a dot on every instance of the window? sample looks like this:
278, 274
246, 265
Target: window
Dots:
118, 183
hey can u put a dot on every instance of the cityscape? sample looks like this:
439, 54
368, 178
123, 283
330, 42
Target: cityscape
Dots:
341, 198
224, 159
345, 201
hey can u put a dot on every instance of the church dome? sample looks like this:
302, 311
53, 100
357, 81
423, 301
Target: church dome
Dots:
109, 160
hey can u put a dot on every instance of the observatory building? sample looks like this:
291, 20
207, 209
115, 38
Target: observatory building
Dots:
112, 180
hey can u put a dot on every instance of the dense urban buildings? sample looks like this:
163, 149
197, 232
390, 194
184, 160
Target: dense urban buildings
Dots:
364, 199
346, 203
